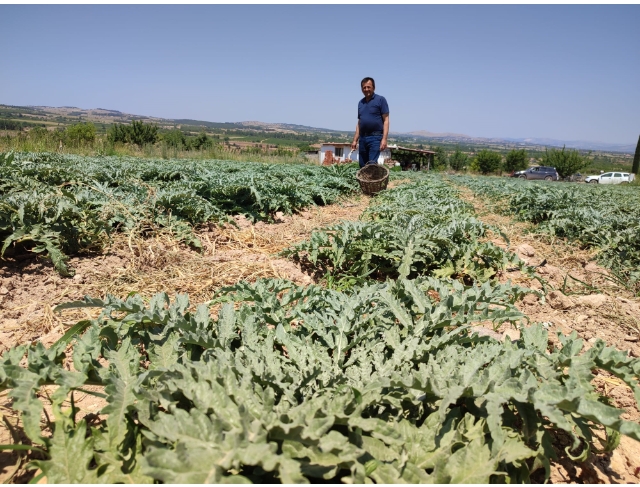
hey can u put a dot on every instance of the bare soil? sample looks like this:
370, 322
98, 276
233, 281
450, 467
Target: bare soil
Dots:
30, 288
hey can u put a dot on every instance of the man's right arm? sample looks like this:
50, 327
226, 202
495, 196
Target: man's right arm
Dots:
356, 136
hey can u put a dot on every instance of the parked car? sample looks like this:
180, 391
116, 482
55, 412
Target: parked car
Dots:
611, 178
538, 172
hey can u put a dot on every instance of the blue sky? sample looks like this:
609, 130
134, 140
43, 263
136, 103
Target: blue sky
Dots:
568, 72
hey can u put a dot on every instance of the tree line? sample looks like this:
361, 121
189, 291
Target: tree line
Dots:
18, 124
137, 133
566, 162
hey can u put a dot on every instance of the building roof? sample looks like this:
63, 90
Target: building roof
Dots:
420, 151
337, 143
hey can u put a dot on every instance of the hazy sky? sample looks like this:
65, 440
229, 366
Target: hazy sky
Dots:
561, 71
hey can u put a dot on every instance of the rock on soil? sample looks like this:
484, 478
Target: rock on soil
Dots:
592, 300
525, 250
595, 268
557, 300
550, 272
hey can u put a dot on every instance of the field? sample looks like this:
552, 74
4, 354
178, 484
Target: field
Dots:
192, 321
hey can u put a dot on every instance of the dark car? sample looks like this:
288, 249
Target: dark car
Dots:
538, 172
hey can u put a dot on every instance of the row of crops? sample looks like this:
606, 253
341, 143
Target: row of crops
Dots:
416, 230
63, 204
606, 218
377, 378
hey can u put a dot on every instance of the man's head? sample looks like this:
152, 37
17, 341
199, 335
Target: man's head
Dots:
368, 86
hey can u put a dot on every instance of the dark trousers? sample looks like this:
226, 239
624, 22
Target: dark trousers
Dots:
369, 149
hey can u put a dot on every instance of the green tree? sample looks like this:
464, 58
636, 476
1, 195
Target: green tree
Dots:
458, 160
138, 133
636, 159
565, 162
118, 133
201, 141
81, 133
39, 133
488, 161
516, 160
143, 133
175, 138
440, 161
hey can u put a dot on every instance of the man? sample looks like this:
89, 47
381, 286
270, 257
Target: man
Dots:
373, 124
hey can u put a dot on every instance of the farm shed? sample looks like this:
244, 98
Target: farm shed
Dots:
313, 152
423, 159
338, 152
334, 153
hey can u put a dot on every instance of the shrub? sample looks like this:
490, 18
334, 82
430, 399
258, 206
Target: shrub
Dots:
143, 133
458, 160
174, 138
515, 160
565, 162
39, 133
440, 161
80, 133
138, 133
488, 161
201, 141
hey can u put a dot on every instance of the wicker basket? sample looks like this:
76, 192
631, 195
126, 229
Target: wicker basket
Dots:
373, 178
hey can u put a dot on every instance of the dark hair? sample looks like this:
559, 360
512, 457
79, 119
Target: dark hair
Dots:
364, 80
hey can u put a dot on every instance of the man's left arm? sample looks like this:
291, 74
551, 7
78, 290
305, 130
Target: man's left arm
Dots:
385, 131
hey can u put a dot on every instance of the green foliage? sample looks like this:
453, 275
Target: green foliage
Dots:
595, 216
414, 230
118, 133
488, 161
565, 162
636, 159
440, 160
138, 133
201, 141
141, 133
80, 133
458, 160
174, 138
13, 124
387, 383
39, 133
516, 160
59, 205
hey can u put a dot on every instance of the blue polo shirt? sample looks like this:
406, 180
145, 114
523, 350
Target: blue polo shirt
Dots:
370, 114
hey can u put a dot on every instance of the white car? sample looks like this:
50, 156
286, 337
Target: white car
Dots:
611, 178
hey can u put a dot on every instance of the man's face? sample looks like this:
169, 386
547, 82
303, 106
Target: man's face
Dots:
367, 89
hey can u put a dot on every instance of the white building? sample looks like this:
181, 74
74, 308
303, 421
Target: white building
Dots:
340, 153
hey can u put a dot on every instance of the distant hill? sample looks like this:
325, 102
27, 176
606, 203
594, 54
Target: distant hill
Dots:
573, 144
582, 144
68, 115
434, 135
